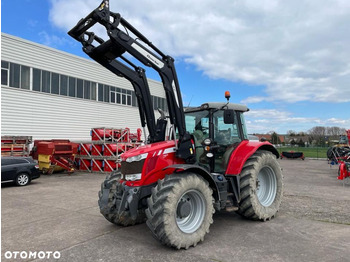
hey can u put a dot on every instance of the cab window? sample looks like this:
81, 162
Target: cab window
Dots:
225, 134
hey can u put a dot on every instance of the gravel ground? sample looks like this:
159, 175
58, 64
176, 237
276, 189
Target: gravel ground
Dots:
315, 193
60, 213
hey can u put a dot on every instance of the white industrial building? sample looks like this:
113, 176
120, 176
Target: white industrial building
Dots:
47, 93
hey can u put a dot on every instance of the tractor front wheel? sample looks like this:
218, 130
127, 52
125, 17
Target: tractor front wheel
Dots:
122, 218
180, 210
261, 186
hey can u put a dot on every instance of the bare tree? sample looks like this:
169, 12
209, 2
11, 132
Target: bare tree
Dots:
291, 133
335, 131
318, 131
317, 135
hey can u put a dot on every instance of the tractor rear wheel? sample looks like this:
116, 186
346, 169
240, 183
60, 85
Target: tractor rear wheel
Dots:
261, 186
180, 210
110, 213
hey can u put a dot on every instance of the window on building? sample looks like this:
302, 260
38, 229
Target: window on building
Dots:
106, 93
133, 98
4, 73
87, 89
128, 100
15, 75
128, 97
155, 102
162, 103
72, 87
45, 81
80, 88
25, 77
93, 91
119, 98
55, 83
19, 76
63, 85
113, 97
100, 92
159, 103
123, 99
36, 79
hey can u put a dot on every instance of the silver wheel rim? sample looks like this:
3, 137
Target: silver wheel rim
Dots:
22, 180
197, 208
266, 186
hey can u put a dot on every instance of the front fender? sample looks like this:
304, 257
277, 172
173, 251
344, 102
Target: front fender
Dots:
199, 171
245, 150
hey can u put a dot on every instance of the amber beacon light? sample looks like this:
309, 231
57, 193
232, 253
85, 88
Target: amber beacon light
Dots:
227, 95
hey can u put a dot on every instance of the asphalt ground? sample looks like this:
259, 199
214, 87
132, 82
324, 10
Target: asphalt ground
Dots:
60, 213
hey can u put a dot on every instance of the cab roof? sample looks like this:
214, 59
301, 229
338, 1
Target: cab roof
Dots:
218, 105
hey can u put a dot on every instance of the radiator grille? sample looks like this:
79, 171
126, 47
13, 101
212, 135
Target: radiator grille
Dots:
132, 168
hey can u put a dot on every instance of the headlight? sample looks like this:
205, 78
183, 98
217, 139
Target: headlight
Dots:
209, 155
207, 141
132, 177
136, 158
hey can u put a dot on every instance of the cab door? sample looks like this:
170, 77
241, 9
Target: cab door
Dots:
226, 137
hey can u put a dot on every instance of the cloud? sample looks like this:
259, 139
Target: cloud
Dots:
298, 50
345, 123
253, 99
52, 40
265, 120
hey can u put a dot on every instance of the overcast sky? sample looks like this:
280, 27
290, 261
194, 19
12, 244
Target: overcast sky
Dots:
289, 61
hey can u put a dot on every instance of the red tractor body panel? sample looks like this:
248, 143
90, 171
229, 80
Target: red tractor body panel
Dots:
162, 155
243, 151
159, 156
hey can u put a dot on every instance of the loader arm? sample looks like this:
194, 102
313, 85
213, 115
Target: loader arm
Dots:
104, 55
143, 50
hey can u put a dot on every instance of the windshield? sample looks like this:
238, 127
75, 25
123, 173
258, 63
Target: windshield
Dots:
225, 134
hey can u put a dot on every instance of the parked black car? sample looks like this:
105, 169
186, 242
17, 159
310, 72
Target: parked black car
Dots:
20, 170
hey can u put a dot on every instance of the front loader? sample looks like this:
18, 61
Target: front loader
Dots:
198, 163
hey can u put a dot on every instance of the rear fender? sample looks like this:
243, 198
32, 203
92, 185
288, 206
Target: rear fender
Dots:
244, 151
199, 171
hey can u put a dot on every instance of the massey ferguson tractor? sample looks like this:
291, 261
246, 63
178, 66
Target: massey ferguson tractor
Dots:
194, 161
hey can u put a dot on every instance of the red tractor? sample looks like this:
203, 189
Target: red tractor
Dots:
199, 163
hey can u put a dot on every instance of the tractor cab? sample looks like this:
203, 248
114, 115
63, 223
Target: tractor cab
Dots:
217, 129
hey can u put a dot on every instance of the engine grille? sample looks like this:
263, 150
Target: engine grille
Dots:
132, 168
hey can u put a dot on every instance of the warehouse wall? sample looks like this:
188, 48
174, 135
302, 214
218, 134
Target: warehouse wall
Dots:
48, 116
24, 52
45, 116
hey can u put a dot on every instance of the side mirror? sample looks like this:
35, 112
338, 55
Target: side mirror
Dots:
229, 116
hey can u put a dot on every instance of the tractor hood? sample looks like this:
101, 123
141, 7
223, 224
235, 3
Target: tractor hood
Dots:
155, 149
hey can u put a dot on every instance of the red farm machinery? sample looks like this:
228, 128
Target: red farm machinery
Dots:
54, 155
195, 161
343, 157
340, 154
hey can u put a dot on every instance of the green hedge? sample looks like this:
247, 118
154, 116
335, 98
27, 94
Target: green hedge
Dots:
313, 152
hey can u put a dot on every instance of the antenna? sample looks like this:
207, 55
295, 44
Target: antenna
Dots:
190, 101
